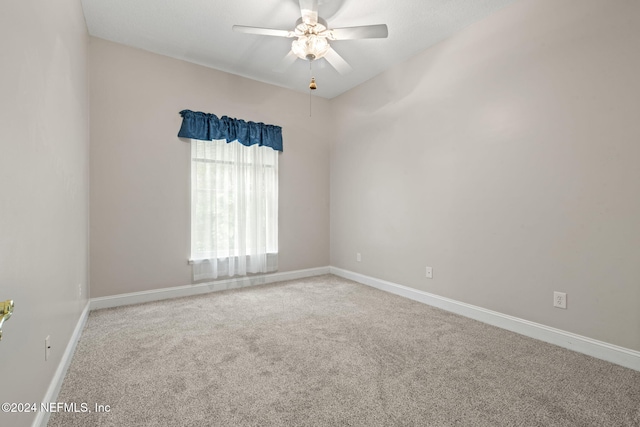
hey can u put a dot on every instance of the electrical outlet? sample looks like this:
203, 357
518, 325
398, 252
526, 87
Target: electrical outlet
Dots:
47, 347
358, 257
560, 300
429, 273
80, 290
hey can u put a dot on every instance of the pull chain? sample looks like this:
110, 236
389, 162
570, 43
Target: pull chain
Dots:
312, 86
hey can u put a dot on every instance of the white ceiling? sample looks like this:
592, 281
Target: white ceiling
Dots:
199, 31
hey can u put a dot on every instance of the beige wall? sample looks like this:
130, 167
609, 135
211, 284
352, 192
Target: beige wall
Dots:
44, 139
140, 169
507, 159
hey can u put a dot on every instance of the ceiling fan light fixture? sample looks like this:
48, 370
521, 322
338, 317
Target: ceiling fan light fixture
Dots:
310, 47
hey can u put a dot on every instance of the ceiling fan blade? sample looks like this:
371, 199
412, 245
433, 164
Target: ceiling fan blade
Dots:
262, 31
337, 61
309, 11
365, 32
286, 62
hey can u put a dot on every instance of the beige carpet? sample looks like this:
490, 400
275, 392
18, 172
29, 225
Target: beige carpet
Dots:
328, 351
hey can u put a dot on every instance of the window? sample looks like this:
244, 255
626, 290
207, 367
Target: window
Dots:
234, 209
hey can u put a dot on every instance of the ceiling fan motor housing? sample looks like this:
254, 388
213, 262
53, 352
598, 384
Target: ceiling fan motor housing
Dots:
312, 41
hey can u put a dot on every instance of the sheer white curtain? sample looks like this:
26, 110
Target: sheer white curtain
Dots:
234, 209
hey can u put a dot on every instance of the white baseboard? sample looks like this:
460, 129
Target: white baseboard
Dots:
202, 288
42, 417
599, 349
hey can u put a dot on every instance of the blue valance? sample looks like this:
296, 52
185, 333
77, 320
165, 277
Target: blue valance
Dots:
207, 127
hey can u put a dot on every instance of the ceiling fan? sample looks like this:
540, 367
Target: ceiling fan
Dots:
312, 35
